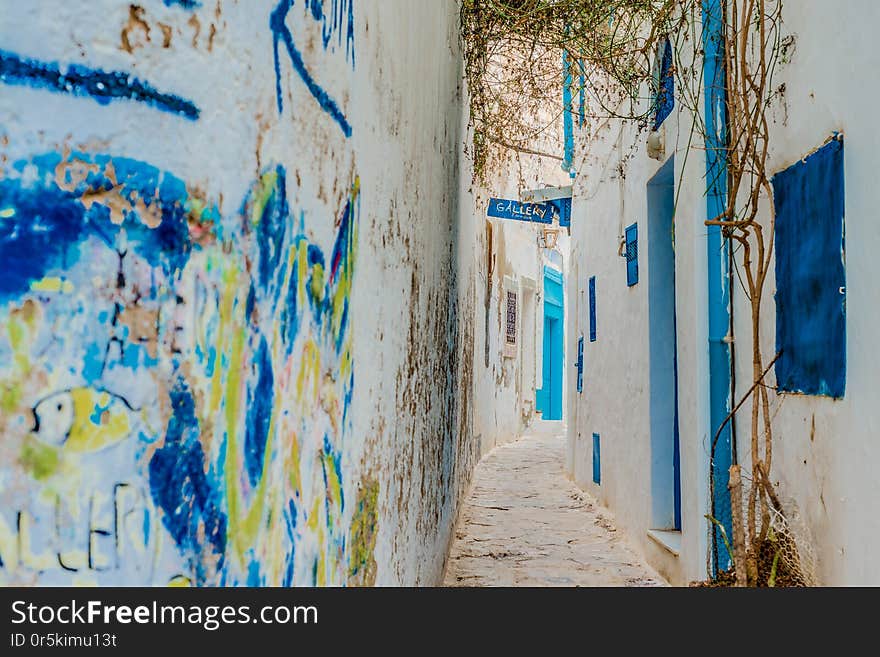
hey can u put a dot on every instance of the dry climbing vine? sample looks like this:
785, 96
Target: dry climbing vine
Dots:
513, 65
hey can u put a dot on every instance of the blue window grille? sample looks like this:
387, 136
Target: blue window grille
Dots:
632, 255
811, 274
580, 365
664, 103
597, 460
592, 309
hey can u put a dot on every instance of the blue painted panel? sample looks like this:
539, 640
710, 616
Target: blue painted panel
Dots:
811, 274
632, 255
553, 293
592, 309
501, 208
579, 364
562, 207
597, 459
665, 100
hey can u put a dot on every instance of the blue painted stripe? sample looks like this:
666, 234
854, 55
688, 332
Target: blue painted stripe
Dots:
186, 4
719, 291
592, 308
79, 80
567, 112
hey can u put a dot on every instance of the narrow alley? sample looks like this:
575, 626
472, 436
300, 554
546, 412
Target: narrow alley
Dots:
448, 293
525, 524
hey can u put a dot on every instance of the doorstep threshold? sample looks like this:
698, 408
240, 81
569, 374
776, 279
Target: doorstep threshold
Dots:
667, 539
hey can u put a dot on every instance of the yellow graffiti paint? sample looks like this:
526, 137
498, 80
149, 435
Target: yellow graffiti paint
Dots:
268, 181
309, 371
99, 421
334, 486
179, 582
10, 395
362, 535
317, 288
41, 461
52, 284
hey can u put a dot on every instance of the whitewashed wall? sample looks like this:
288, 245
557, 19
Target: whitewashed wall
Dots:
825, 452
276, 391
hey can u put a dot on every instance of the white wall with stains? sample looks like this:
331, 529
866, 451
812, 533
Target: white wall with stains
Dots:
825, 450
235, 315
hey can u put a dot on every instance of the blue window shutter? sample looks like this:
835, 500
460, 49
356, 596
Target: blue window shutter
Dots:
597, 460
632, 255
664, 103
592, 309
580, 365
811, 274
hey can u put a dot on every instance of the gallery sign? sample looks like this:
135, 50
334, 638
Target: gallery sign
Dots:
541, 213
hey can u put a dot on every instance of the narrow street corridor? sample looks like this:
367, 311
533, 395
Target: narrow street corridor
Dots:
525, 524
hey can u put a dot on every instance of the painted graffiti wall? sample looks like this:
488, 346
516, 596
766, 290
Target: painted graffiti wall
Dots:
230, 327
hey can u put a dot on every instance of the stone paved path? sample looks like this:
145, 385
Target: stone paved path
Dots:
526, 524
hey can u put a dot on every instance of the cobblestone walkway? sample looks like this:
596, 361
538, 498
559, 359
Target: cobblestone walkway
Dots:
526, 524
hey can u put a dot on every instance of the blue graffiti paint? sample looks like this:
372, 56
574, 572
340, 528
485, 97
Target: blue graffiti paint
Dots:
289, 315
102, 86
48, 221
180, 487
341, 260
339, 19
810, 274
38, 237
186, 4
259, 417
281, 33
253, 578
271, 229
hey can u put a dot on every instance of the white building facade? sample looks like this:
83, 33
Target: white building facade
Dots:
652, 296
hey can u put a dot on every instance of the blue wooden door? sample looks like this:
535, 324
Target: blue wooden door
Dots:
550, 395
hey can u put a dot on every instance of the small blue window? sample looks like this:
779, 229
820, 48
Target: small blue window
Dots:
597, 460
592, 309
811, 274
632, 255
580, 365
664, 103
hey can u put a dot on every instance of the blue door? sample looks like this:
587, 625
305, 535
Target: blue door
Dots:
549, 398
